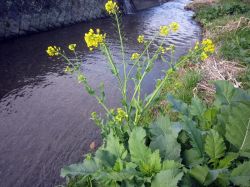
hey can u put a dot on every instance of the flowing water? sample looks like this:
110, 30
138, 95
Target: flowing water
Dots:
44, 113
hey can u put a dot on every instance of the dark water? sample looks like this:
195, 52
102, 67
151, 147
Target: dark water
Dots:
44, 113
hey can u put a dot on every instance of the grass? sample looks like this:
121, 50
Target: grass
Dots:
236, 46
227, 23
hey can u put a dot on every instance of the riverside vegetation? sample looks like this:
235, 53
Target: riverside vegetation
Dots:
188, 143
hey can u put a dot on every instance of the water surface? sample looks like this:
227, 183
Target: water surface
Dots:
44, 113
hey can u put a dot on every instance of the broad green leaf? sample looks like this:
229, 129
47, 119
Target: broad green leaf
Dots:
224, 92
88, 167
152, 165
194, 134
148, 162
169, 178
241, 175
197, 108
138, 150
214, 146
200, 173
204, 175
114, 146
238, 127
227, 160
164, 139
178, 105
192, 157
171, 164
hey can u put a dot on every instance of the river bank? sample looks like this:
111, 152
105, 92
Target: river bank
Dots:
45, 114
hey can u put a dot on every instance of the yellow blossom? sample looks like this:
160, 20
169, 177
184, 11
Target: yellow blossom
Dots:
162, 50
170, 48
174, 26
72, 47
53, 51
111, 7
93, 39
67, 69
135, 56
140, 39
164, 30
208, 46
204, 56
121, 114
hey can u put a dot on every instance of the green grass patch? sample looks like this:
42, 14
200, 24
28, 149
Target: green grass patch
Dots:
206, 14
236, 46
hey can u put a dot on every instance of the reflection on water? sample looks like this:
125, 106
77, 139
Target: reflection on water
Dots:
44, 113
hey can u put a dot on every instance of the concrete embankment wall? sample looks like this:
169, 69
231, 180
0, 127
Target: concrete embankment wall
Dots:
19, 17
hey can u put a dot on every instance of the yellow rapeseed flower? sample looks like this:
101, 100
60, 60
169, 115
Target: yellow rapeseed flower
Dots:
162, 50
67, 69
121, 114
93, 39
111, 7
140, 39
208, 46
53, 51
72, 47
204, 56
164, 30
135, 56
174, 26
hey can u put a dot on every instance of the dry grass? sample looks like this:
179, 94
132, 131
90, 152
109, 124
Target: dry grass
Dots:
217, 69
232, 25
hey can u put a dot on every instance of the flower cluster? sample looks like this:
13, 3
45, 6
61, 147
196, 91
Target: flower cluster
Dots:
140, 39
164, 30
53, 50
174, 26
208, 46
93, 39
121, 115
111, 7
205, 48
135, 56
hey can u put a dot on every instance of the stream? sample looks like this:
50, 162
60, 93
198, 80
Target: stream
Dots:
45, 114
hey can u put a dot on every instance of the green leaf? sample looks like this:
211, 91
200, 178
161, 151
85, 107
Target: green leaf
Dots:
138, 150
200, 173
214, 146
169, 178
224, 92
227, 160
148, 162
114, 146
194, 134
192, 157
178, 105
241, 175
197, 108
171, 164
164, 139
88, 167
238, 127
204, 175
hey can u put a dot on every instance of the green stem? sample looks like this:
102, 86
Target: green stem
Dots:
123, 61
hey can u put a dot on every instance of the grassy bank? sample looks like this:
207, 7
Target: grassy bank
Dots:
227, 23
